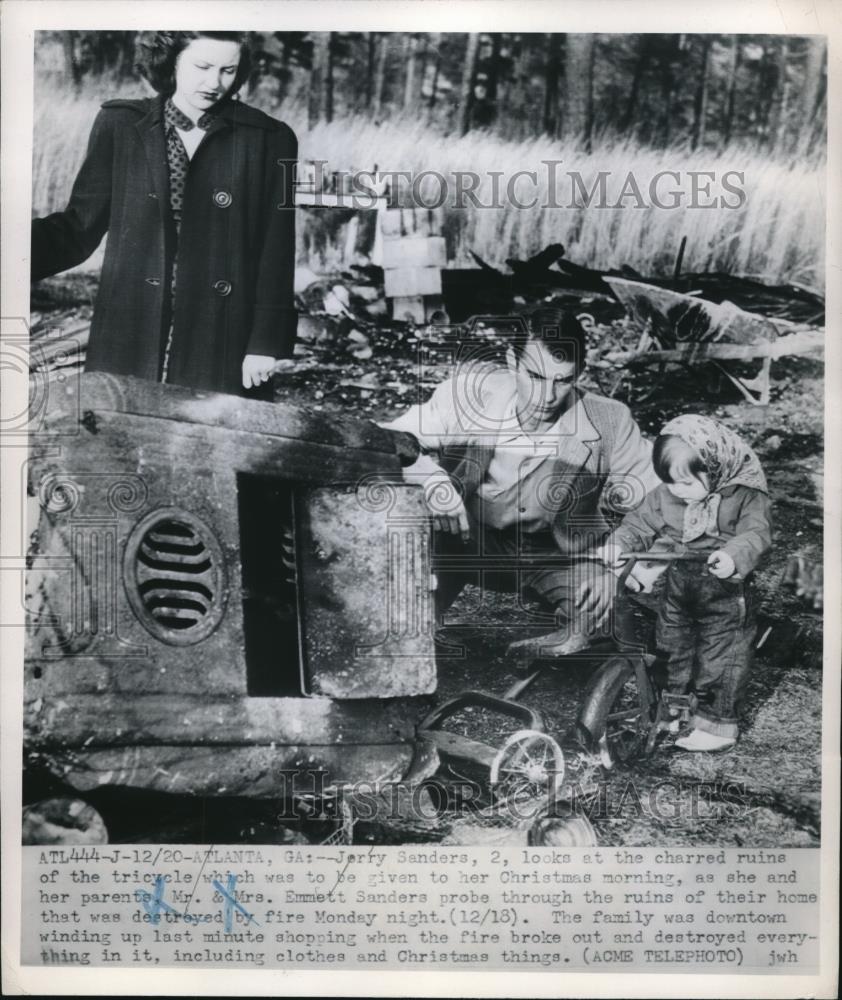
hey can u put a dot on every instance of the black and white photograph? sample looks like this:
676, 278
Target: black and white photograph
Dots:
423, 471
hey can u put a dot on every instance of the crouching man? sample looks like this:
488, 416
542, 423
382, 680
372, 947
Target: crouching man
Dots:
524, 471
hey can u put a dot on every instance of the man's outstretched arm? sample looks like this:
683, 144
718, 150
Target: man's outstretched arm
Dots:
434, 425
631, 478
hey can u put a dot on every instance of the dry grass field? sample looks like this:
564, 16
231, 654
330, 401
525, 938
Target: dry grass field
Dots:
777, 235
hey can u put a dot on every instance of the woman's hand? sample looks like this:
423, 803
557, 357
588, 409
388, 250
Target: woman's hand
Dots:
256, 369
721, 564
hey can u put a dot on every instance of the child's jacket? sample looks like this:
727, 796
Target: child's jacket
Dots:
744, 527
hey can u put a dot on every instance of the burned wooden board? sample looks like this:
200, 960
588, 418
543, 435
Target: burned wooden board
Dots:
97, 392
674, 317
251, 771
366, 611
414, 251
802, 342
181, 720
685, 329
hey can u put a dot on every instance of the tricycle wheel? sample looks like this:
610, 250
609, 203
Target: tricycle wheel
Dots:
616, 715
528, 765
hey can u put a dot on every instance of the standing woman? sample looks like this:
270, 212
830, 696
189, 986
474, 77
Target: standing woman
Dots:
195, 190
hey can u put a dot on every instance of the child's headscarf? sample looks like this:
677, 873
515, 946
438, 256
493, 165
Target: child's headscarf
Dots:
729, 462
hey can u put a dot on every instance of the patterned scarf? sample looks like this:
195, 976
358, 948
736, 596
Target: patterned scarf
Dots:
177, 158
729, 462
178, 161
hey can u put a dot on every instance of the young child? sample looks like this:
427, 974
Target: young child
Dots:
713, 498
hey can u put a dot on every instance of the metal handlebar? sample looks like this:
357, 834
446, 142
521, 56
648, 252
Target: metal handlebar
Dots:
631, 558
553, 560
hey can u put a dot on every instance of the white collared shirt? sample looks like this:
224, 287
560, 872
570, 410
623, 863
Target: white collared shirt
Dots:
525, 472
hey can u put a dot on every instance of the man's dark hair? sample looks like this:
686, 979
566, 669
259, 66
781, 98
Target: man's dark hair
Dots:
560, 332
156, 53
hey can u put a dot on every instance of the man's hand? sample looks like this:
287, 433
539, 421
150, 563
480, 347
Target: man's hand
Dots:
256, 369
721, 564
445, 505
594, 598
610, 556
441, 498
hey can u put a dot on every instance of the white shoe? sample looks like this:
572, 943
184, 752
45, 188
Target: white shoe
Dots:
701, 741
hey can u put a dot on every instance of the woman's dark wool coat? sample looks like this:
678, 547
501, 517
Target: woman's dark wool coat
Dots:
236, 248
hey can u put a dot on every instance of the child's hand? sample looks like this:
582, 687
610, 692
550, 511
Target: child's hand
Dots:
721, 564
610, 555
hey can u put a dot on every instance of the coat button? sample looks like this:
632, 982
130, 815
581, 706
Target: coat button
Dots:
222, 199
222, 287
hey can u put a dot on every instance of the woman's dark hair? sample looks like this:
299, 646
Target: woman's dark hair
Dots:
673, 458
156, 53
560, 332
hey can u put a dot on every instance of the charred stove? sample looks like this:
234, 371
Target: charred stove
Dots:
222, 592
